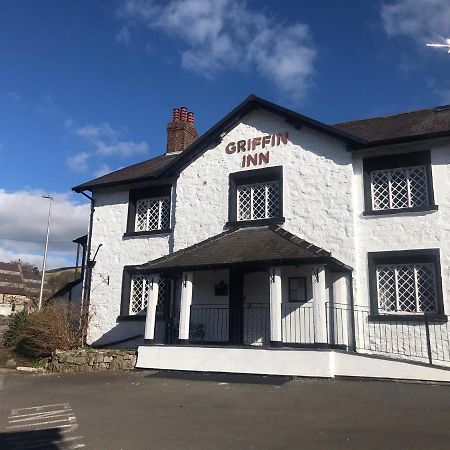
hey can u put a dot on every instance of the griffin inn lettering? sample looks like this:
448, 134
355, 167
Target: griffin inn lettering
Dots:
254, 144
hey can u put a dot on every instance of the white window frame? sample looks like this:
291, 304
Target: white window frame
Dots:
252, 186
395, 267
161, 201
389, 173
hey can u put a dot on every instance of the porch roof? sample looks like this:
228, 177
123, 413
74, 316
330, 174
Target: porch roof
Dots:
270, 245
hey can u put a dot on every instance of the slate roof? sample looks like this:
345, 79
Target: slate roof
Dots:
404, 127
17, 280
143, 171
271, 244
432, 122
160, 166
10, 267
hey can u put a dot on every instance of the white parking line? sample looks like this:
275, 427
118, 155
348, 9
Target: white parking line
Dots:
14, 412
43, 416
38, 427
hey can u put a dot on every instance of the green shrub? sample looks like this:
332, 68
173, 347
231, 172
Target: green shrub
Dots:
14, 336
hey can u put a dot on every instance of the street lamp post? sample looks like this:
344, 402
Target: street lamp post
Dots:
46, 250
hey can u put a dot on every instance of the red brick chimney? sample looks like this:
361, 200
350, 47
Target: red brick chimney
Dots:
181, 132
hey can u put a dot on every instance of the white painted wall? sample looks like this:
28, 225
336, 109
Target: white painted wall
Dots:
109, 225
287, 362
404, 231
317, 184
323, 203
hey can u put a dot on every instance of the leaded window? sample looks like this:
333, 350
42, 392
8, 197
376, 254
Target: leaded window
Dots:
258, 201
140, 287
404, 187
152, 214
139, 293
406, 288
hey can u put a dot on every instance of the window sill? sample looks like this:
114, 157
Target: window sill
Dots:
255, 223
133, 318
147, 233
435, 318
383, 212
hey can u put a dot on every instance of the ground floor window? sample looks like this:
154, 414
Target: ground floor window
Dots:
407, 288
405, 282
139, 291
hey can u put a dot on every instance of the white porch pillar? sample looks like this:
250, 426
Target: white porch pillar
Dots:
275, 306
153, 290
319, 304
185, 306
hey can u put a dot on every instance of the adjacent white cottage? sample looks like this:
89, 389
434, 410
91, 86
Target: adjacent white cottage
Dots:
277, 244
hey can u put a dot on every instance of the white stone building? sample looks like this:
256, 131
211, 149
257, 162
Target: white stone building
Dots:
277, 244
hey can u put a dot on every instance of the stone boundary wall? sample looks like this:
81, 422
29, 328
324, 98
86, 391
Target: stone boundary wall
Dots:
91, 360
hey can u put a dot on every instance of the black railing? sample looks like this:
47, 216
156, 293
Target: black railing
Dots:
352, 328
209, 324
418, 338
297, 324
256, 324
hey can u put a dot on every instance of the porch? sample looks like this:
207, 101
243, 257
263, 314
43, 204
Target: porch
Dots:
279, 306
233, 294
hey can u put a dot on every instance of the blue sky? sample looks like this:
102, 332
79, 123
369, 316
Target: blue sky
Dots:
88, 87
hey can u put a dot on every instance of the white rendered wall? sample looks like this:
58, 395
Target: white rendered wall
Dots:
404, 231
110, 222
317, 184
287, 362
323, 203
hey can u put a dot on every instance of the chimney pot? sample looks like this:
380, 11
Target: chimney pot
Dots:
183, 113
181, 132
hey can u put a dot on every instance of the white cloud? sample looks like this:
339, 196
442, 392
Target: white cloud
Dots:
24, 222
107, 141
102, 170
13, 95
222, 35
78, 162
420, 20
123, 36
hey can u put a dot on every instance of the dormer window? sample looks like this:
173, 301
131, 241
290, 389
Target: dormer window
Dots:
149, 211
256, 197
398, 183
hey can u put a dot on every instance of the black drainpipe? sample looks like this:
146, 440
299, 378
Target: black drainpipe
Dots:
88, 272
352, 310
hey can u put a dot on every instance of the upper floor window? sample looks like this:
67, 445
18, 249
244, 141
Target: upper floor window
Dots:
398, 182
256, 195
406, 282
399, 188
258, 201
149, 210
152, 214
